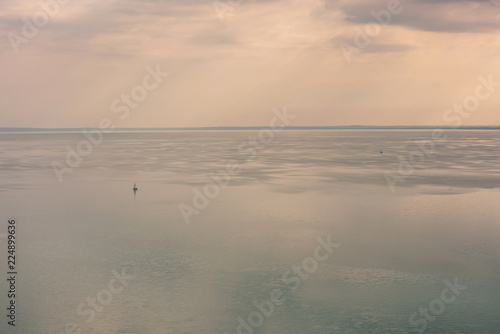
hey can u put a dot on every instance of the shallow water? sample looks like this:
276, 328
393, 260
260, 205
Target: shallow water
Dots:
397, 246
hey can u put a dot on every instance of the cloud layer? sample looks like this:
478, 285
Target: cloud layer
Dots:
453, 16
262, 54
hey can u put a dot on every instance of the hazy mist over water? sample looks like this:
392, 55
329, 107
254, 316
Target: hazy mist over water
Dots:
397, 247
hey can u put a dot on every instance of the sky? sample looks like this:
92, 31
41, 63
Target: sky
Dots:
232, 62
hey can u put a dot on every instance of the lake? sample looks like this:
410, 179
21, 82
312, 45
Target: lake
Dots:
297, 231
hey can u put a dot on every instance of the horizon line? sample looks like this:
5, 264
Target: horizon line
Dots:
305, 127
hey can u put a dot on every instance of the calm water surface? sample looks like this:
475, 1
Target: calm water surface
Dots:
398, 249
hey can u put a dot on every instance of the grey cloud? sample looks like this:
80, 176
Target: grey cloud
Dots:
214, 38
131, 17
453, 16
448, 1
104, 14
375, 47
380, 48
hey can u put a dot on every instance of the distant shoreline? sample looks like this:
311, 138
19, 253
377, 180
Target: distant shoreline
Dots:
234, 128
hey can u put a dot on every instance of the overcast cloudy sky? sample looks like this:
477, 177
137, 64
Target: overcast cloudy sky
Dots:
232, 71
